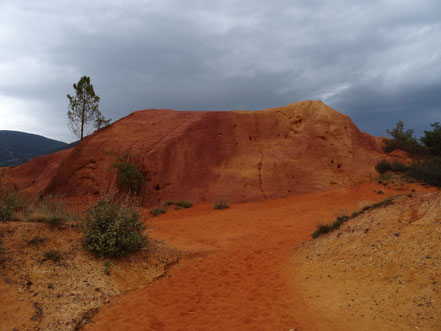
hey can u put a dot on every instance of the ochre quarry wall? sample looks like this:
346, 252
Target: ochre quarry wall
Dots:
198, 156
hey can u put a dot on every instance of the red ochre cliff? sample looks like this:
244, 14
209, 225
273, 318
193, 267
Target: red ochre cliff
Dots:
194, 155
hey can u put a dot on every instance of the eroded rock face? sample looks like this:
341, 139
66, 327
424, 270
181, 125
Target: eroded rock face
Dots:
243, 155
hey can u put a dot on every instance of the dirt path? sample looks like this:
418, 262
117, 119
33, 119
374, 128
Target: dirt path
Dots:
241, 279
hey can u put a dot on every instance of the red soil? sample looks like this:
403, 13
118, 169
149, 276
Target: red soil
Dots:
243, 155
243, 280
36, 174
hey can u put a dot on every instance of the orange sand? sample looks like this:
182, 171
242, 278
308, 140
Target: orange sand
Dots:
242, 279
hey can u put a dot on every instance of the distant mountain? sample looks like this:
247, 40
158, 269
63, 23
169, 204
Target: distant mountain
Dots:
62, 148
19, 147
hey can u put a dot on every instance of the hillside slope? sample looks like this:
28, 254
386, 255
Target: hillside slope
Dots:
19, 147
381, 270
243, 155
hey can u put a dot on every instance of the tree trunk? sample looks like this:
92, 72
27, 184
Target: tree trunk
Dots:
82, 122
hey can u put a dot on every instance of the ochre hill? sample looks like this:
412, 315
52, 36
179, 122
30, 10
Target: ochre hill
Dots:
243, 155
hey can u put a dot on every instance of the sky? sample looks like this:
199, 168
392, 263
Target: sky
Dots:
377, 61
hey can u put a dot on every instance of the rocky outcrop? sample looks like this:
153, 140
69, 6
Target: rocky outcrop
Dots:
243, 155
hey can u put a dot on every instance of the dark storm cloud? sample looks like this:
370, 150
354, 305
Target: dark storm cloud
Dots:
378, 61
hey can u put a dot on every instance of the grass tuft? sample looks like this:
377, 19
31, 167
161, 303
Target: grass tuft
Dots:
35, 240
221, 204
52, 255
158, 211
179, 203
324, 229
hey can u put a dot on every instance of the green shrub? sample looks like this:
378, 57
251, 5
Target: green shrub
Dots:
383, 166
129, 178
179, 203
428, 168
10, 202
428, 171
383, 203
403, 140
384, 179
398, 167
221, 204
158, 211
412, 147
339, 221
432, 139
52, 255
321, 229
113, 229
356, 213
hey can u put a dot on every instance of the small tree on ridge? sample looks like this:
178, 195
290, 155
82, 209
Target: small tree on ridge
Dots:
83, 109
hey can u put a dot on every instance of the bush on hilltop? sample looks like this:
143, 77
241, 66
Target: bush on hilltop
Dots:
427, 168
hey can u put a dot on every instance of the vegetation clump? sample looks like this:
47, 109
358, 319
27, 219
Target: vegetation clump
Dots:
221, 204
398, 167
130, 179
158, 211
427, 168
48, 209
112, 230
35, 240
179, 204
108, 267
52, 255
324, 229
428, 171
383, 166
10, 202
83, 109
432, 140
403, 140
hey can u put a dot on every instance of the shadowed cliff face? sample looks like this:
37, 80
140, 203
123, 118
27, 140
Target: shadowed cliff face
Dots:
243, 155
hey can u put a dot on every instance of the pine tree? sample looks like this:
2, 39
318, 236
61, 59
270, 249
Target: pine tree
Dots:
83, 109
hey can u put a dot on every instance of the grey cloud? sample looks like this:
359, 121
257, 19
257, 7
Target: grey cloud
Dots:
376, 61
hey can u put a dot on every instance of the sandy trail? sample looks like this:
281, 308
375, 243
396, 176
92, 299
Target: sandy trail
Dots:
242, 279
